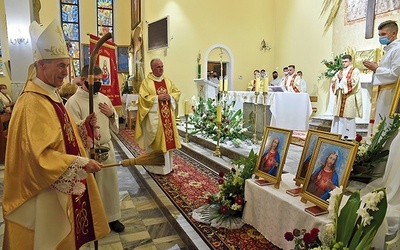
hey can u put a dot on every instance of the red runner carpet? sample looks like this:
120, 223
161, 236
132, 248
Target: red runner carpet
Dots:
188, 187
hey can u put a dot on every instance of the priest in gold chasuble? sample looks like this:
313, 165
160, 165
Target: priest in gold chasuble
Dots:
155, 123
50, 198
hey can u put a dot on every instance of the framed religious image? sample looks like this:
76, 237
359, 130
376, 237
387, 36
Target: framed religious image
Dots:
136, 14
329, 168
395, 107
308, 149
272, 156
364, 55
123, 59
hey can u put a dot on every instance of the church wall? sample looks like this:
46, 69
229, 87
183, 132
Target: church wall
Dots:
300, 41
295, 35
352, 34
5, 79
197, 27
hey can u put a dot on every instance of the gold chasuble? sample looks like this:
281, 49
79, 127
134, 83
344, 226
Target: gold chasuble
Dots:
43, 143
155, 123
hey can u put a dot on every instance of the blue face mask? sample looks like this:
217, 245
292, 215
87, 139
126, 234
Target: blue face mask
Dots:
384, 40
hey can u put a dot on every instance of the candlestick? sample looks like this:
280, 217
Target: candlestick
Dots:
221, 84
257, 85
186, 128
219, 115
225, 85
217, 151
266, 83
186, 107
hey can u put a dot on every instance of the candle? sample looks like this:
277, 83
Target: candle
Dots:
258, 84
266, 83
219, 114
221, 84
225, 84
186, 107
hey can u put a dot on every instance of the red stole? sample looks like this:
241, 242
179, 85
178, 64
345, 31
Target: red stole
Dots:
164, 108
349, 88
84, 231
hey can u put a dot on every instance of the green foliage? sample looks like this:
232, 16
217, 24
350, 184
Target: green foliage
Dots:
333, 66
371, 152
229, 201
347, 218
203, 120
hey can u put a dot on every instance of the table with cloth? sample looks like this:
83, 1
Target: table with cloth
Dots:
291, 110
273, 212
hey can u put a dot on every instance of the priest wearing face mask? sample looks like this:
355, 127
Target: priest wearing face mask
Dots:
107, 119
387, 72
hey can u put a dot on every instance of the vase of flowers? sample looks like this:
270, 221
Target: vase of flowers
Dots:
225, 208
352, 226
371, 151
204, 116
333, 65
303, 240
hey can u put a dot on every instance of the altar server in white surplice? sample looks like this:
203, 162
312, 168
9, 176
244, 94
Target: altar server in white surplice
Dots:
387, 72
107, 119
348, 105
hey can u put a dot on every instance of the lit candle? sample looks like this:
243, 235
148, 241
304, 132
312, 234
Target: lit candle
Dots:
186, 107
258, 84
266, 83
225, 84
219, 114
221, 84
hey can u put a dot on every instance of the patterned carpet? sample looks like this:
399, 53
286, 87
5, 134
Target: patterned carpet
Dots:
188, 187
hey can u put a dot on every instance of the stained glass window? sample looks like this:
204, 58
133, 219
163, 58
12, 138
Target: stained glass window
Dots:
70, 25
104, 17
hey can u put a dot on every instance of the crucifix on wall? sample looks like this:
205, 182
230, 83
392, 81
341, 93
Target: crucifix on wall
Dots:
369, 19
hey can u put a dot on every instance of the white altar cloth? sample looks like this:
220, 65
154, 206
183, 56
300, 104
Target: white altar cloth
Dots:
291, 110
273, 212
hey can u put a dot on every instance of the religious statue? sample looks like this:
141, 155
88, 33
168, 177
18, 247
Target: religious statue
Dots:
136, 52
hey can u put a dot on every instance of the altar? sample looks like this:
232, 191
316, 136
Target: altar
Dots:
285, 110
273, 212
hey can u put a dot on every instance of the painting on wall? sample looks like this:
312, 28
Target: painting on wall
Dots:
123, 58
357, 9
135, 13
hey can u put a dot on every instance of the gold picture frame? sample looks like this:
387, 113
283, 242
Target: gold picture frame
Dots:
318, 182
364, 55
395, 106
308, 149
270, 164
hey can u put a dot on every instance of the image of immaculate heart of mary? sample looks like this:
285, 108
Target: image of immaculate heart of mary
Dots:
259, 124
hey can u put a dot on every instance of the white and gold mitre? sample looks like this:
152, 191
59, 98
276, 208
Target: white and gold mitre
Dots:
48, 42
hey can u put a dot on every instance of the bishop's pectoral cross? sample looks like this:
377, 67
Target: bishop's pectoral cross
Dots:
369, 19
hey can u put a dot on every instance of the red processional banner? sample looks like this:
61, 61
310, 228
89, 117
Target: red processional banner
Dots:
108, 63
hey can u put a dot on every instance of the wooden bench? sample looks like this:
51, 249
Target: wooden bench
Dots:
4, 119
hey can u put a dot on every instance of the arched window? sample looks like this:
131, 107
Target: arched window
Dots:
105, 17
70, 26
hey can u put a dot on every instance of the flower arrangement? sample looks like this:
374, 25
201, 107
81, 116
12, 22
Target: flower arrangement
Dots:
303, 239
225, 208
333, 65
356, 224
203, 120
370, 152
